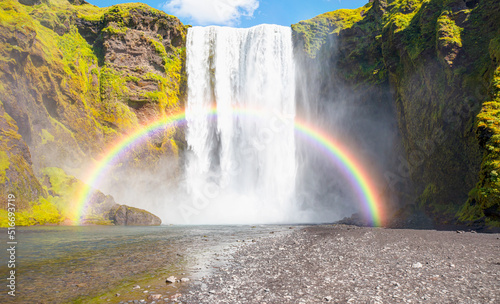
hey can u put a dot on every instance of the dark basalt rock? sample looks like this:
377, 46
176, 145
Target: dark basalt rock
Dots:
130, 216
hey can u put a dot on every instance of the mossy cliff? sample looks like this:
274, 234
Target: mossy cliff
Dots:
435, 63
74, 78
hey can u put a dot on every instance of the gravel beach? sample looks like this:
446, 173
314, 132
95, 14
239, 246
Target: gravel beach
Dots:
348, 264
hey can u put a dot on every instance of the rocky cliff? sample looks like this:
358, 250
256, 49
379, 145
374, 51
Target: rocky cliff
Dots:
75, 77
434, 64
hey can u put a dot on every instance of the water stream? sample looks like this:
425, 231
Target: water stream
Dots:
242, 165
62, 264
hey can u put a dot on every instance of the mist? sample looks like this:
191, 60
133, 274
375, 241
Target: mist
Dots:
238, 169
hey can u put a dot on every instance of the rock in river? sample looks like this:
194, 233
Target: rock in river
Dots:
130, 216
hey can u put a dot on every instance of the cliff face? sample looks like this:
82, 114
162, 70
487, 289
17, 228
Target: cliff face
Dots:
436, 63
74, 78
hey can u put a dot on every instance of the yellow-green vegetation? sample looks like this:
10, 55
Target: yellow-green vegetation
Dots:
16, 174
39, 213
71, 94
46, 137
54, 208
114, 30
120, 13
63, 188
439, 59
401, 14
484, 199
124, 285
314, 32
447, 30
57, 64
113, 90
4, 165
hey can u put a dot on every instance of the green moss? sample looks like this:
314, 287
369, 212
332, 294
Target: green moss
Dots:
438, 57
112, 110
494, 49
448, 32
427, 197
97, 219
115, 30
429, 202
112, 84
46, 137
169, 90
39, 213
60, 183
486, 194
62, 70
45, 212
4, 165
314, 32
117, 13
62, 188
133, 79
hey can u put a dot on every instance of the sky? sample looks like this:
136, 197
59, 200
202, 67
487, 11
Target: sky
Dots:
242, 13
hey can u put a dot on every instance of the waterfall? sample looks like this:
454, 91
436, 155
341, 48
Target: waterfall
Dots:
241, 165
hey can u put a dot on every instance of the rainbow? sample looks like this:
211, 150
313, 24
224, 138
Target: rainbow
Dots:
350, 166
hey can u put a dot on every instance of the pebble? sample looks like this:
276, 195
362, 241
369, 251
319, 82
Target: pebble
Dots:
184, 280
155, 296
175, 296
171, 279
325, 265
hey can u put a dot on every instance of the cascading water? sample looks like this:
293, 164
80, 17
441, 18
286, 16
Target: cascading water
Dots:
241, 167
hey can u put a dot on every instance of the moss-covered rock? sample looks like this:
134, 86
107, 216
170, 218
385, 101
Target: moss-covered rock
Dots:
75, 77
100, 209
484, 199
16, 172
130, 216
439, 59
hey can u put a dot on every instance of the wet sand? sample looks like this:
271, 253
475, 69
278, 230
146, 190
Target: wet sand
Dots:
347, 264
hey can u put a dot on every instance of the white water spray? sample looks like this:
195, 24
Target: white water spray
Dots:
241, 167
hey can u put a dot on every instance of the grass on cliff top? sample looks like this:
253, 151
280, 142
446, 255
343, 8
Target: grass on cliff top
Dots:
314, 31
117, 12
401, 13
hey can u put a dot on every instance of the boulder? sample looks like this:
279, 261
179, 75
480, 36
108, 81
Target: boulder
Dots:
130, 216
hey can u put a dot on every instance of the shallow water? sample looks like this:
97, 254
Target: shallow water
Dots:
57, 264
